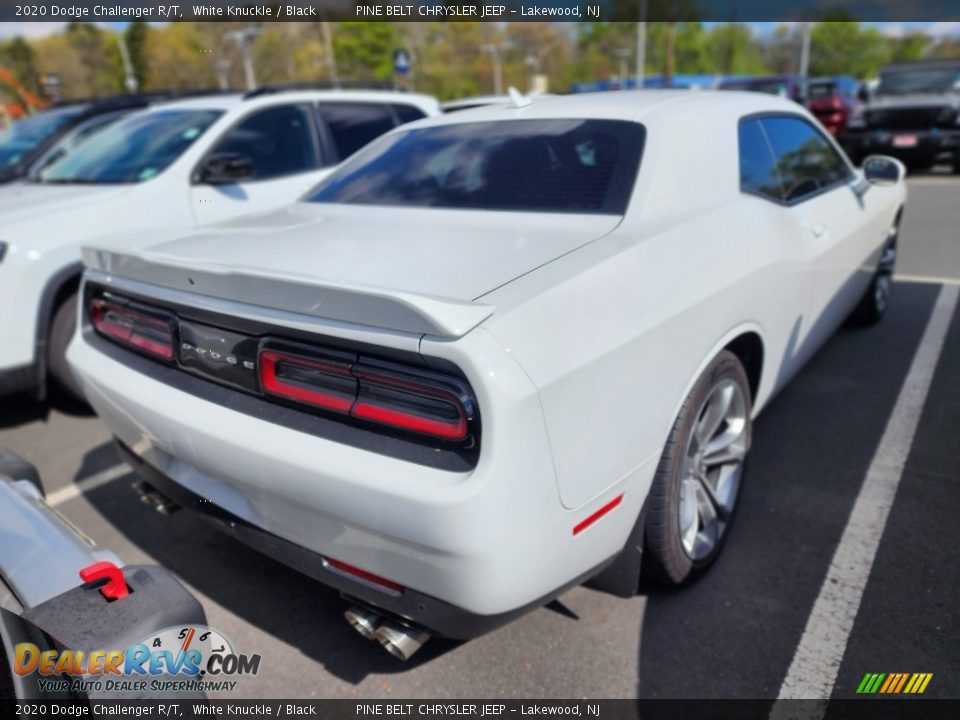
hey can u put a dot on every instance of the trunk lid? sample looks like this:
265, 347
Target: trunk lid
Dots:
405, 269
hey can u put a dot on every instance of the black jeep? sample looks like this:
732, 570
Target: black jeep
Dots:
914, 115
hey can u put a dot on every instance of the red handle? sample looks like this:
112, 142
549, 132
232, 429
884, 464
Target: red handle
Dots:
116, 585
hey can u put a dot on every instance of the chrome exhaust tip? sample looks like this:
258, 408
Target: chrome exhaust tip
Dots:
401, 641
153, 498
366, 622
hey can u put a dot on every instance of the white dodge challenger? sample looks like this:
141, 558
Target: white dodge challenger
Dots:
497, 353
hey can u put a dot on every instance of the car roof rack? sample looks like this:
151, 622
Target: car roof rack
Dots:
323, 85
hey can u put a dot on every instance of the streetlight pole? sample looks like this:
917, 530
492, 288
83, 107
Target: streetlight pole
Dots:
130, 78
806, 29
623, 54
641, 42
243, 38
494, 49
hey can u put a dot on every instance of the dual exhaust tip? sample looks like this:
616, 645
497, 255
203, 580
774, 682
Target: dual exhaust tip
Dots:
151, 497
400, 640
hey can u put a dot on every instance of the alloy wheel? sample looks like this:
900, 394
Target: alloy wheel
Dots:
712, 468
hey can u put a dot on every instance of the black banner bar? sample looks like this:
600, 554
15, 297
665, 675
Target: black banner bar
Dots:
474, 11
398, 709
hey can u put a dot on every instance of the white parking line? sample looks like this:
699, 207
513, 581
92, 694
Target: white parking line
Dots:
815, 665
75, 490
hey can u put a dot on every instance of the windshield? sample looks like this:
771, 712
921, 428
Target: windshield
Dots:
25, 135
921, 80
578, 166
71, 139
132, 150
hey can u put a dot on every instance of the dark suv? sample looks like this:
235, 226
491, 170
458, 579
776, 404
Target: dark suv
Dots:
914, 115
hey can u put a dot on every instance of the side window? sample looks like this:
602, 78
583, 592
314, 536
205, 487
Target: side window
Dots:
278, 140
805, 160
757, 172
408, 113
353, 125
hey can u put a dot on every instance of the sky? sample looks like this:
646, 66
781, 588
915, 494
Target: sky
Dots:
893, 29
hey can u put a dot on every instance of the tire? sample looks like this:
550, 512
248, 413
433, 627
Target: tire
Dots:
61, 331
956, 163
876, 300
681, 539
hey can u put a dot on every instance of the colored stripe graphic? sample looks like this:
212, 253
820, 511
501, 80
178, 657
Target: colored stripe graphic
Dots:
894, 683
903, 679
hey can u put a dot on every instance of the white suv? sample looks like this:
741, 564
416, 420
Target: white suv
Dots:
173, 167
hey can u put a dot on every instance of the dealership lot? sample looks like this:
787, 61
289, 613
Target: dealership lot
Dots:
735, 633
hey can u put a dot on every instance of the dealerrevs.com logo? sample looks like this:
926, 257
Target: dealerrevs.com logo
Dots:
177, 659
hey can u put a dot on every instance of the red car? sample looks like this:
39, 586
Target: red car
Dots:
833, 100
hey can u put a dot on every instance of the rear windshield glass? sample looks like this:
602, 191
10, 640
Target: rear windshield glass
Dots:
576, 166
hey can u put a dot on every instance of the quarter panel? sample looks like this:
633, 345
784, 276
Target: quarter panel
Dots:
615, 336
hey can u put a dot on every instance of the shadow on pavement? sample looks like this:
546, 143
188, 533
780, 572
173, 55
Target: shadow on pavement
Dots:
733, 632
96, 460
23, 409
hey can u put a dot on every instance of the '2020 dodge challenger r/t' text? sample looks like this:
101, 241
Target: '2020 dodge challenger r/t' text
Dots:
496, 353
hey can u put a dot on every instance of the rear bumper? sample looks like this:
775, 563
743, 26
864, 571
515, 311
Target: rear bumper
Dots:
437, 616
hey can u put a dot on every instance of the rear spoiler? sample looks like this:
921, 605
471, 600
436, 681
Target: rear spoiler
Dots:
356, 304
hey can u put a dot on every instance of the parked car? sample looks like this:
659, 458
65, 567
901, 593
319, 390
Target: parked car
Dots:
793, 87
833, 100
26, 140
914, 114
495, 353
172, 167
57, 590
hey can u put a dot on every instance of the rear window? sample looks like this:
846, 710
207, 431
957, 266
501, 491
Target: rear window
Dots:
577, 166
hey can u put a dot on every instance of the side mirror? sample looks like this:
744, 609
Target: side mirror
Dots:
224, 169
882, 170
863, 94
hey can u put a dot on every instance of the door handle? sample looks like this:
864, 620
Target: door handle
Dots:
817, 229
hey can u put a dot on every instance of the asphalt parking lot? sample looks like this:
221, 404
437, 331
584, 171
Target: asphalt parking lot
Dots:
738, 632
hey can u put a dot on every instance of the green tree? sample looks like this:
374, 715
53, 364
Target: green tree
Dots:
733, 50
364, 50
18, 57
847, 48
946, 49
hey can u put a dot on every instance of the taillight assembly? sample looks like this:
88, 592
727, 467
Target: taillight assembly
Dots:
419, 402
426, 405
147, 333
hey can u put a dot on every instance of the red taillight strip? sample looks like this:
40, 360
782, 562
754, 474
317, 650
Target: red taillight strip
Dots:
99, 310
408, 421
355, 406
364, 575
273, 384
591, 519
